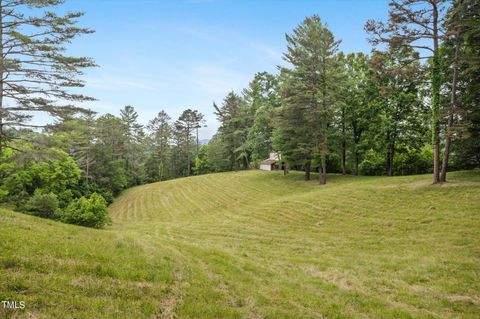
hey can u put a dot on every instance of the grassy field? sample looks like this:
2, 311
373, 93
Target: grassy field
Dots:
256, 245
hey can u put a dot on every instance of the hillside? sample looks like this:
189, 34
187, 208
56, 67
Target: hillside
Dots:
256, 244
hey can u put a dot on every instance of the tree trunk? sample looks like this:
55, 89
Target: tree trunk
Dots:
390, 148
389, 166
1, 81
198, 149
344, 144
435, 98
453, 101
245, 162
323, 171
188, 161
356, 162
356, 139
306, 177
188, 150
87, 172
436, 159
390, 154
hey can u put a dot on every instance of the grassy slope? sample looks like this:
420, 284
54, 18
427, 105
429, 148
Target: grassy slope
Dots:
257, 244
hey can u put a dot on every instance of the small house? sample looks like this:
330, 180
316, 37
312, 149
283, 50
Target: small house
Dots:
270, 163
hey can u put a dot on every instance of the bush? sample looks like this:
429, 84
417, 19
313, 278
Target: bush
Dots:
65, 197
90, 212
412, 161
372, 164
425, 162
3, 195
43, 205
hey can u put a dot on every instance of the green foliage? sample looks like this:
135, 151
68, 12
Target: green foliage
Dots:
57, 175
43, 205
234, 117
218, 155
153, 169
33, 48
159, 164
188, 123
133, 136
202, 164
90, 212
309, 86
261, 99
3, 195
372, 164
412, 161
465, 24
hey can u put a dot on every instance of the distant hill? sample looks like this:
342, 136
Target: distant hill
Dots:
256, 244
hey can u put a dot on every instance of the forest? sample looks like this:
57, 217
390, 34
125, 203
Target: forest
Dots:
411, 106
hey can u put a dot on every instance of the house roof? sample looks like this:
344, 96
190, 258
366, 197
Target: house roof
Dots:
268, 161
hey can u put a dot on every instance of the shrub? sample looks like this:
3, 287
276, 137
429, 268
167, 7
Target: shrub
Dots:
56, 175
413, 161
90, 212
425, 162
372, 164
3, 195
43, 205
65, 197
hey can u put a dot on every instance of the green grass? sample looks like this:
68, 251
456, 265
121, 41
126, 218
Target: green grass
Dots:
256, 245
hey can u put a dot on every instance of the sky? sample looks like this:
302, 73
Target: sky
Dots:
174, 55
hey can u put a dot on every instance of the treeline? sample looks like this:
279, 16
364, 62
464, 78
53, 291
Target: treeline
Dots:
89, 157
384, 113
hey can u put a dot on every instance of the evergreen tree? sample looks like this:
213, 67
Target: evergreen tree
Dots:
185, 126
312, 89
133, 145
35, 73
161, 135
233, 133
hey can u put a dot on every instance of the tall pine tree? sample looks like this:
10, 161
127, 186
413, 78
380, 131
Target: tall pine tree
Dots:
35, 73
312, 92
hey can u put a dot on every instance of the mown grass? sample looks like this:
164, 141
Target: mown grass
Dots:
257, 245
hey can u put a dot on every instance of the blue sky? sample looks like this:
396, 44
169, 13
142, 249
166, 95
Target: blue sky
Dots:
174, 55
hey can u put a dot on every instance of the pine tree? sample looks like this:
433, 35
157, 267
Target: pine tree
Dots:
133, 144
35, 73
187, 123
233, 134
161, 132
312, 87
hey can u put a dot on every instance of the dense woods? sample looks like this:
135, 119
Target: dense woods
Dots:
411, 106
